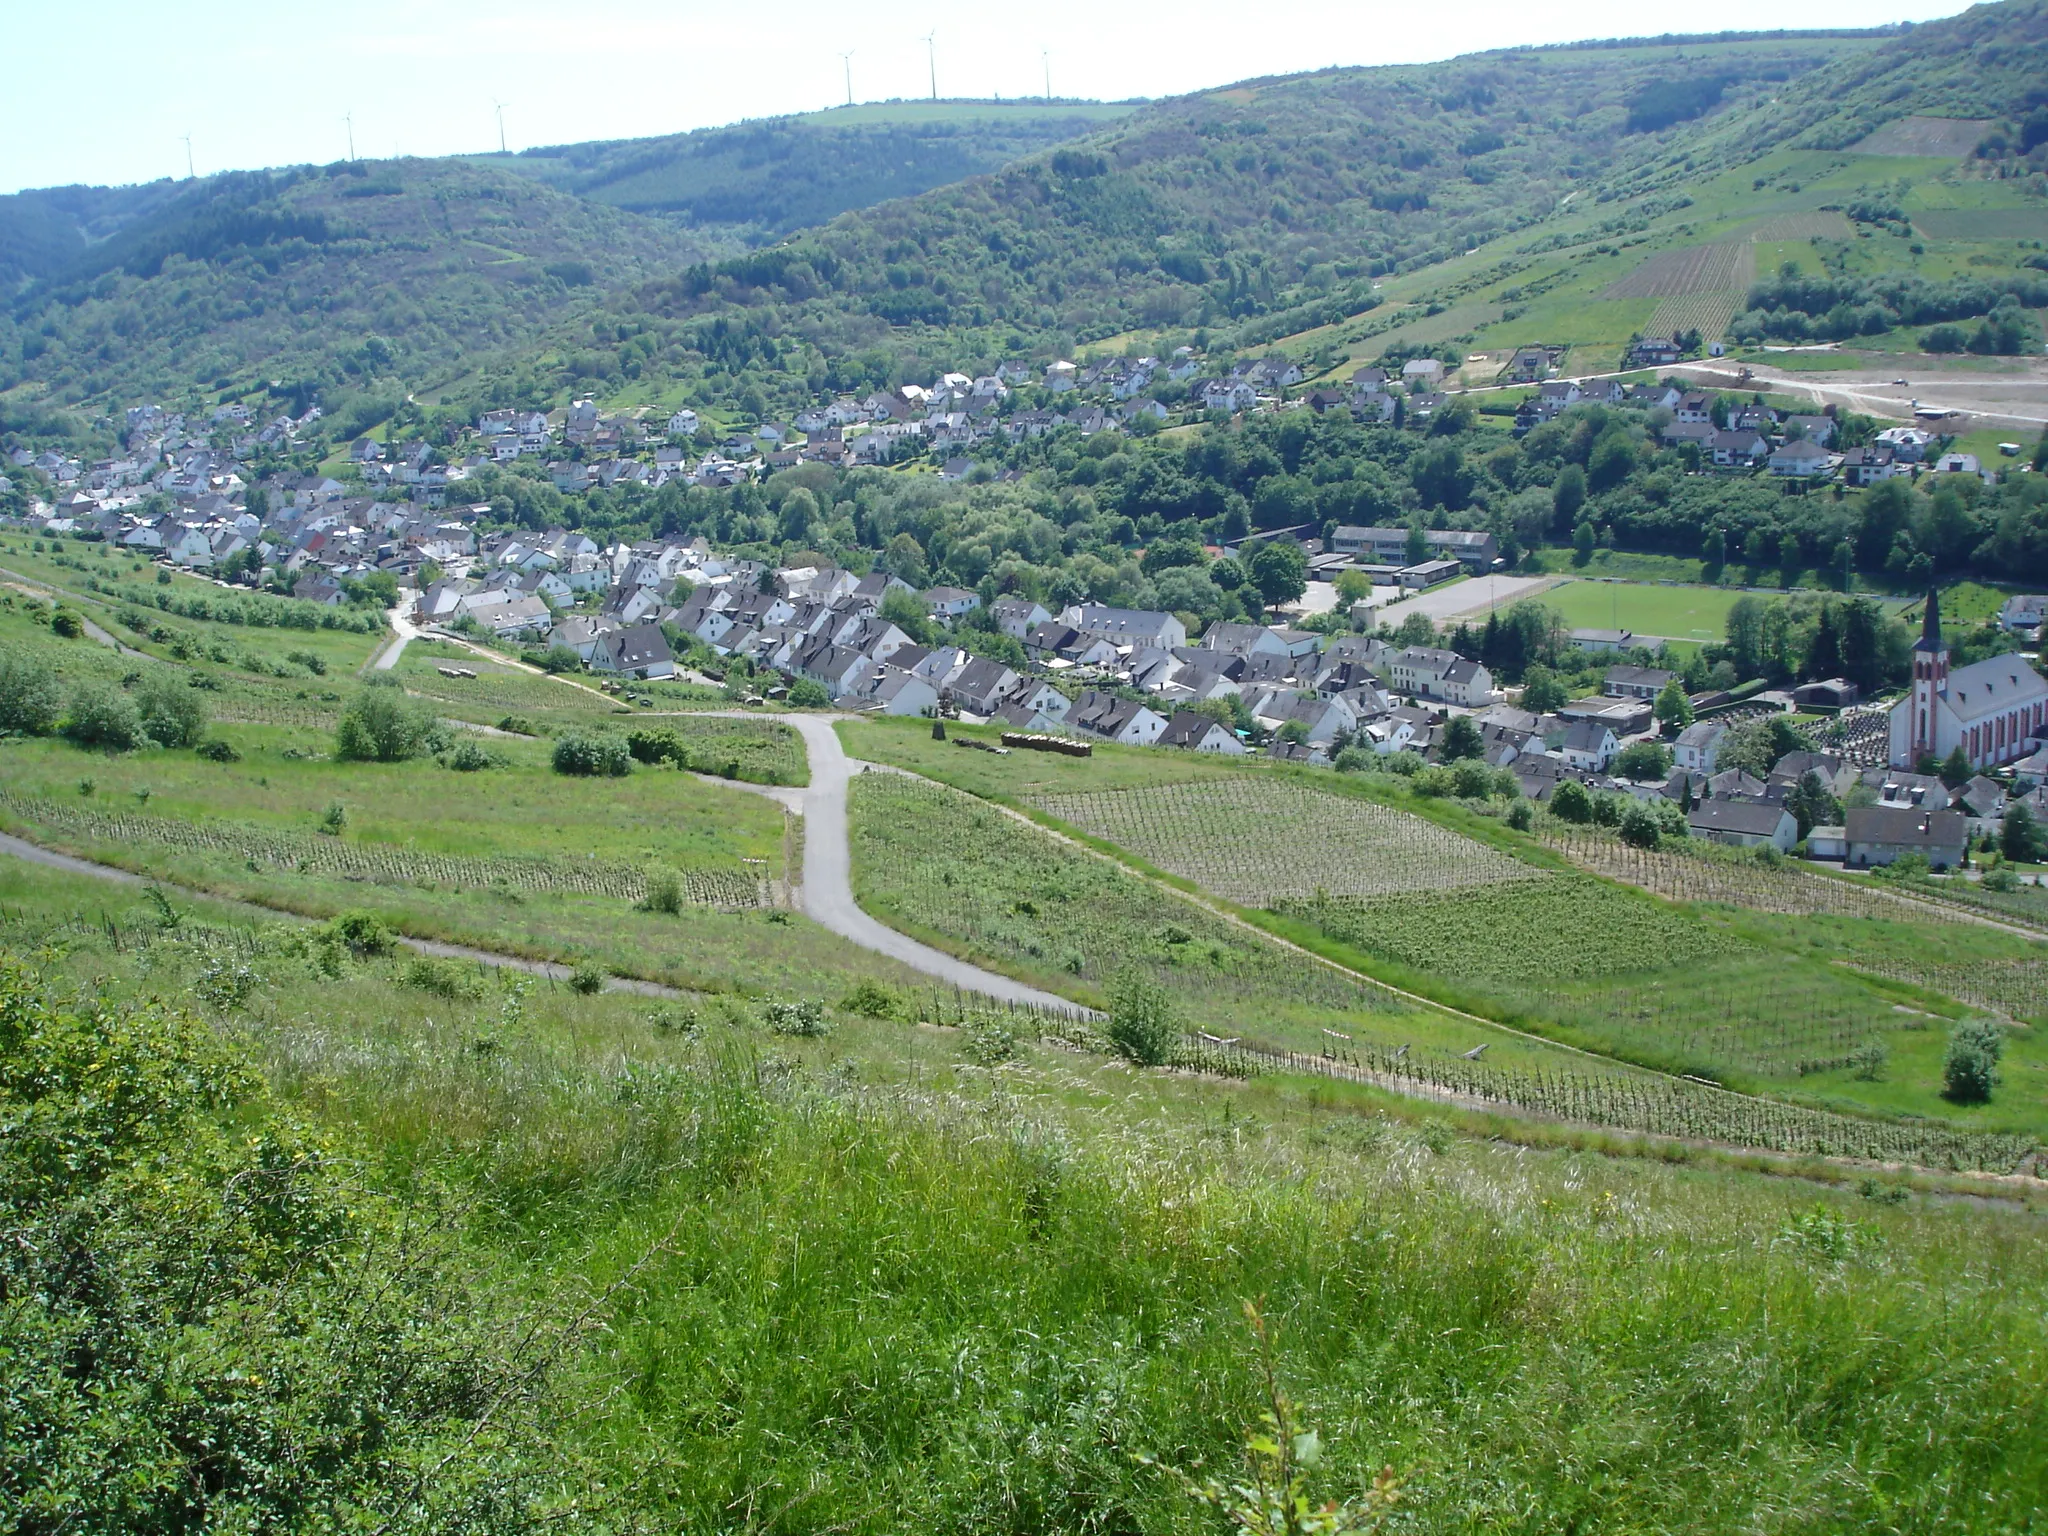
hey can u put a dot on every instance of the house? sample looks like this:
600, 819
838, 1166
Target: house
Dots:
1243, 640
1694, 410
683, 424
979, 686
1699, 746
1982, 800
1423, 370
1800, 459
903, 693
1867, 466
1427, 574
1439, 674
517, 616
1654, 352
1744, 824
579, 634
1125, 626
1589, 746
950, 603
1827, 843
1200, 733
1992, 709
640, 652
1958, 464
1602, 640
2024, 616
1018, 616
1738, 448
1633, 682
1475, 551
1833, 694
1124, 721
1880, 834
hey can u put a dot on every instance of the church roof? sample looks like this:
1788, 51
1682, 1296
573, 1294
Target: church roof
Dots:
1930, 624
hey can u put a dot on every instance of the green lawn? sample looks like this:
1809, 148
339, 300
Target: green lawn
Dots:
1678, 613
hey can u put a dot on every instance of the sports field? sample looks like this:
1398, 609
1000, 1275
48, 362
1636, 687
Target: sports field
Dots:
1675, 613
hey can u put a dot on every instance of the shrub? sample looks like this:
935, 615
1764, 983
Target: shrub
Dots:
802, 1018
362, 934
805, 694
30, 699
1354, 760
1471, 779
312, 661
593, 757
1639, 827
442, 978
104, 718
871, 1000
217, 751
381, 725
990, 1042
664, 893
66, 625
559, 659
1142, 1025
173, 713
657, 746
1521, 816
1435, 781
470, 756
334, 821
1970, 1069
1570, 802
587, 979
518, 725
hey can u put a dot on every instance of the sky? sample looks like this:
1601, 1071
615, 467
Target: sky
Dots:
110, 95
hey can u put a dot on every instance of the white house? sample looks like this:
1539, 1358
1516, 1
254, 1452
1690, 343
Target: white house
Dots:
1744, 824
1199, 733
1699, 746
1124, 721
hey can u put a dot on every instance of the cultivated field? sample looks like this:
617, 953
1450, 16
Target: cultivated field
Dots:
1948, 138
1817, 225
1259, 841
1692, 269
1983, 223
1707, 313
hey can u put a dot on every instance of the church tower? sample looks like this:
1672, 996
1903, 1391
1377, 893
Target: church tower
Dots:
1930, 679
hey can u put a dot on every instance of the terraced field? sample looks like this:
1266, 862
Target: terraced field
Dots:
1931, 137
1257, 842
1718, 268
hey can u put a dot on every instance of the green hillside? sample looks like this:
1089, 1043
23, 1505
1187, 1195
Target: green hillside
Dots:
766, 178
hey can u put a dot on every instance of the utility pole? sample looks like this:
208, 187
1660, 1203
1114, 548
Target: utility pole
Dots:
846, 61
932, 58
501, 124
1045, 58
190, 174
349, 120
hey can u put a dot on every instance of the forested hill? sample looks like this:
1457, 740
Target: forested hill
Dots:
363, 276
763, 179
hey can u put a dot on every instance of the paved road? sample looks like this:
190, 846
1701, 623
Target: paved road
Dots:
828, 879
402, 627
1473, 596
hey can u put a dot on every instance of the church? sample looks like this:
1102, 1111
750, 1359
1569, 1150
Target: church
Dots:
1990, 708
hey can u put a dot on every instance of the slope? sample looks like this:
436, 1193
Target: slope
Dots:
763, 179
359, 276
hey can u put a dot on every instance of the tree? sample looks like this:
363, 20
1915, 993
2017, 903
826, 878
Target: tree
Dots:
1714, 549
380, 725
1141, 1024
1639, 826
1643, 760
103, 717
2020, 838
905, 560
1673, 709
1279, 570
906, 610
1461, 740
1813, 804
1416, 629
1567, 496
1542, 691
1956, 770
1570, 802
805, 693
30, 697
171, 710
1969, 1070
1583, 540
1416, 547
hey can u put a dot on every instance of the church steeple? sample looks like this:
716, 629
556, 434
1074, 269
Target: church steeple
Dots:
1930, 624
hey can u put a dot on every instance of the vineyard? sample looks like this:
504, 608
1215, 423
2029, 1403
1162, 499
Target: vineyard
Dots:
1984, 224
1817, 225
499, 690
2016, 988
1707, 313
1562, 928
260, 849
1659, 1107
761, 751
1690, 269
1259, 841
944, 863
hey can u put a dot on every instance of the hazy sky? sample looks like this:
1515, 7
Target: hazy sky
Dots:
106, 94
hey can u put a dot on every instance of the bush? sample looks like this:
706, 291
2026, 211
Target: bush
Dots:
664, 893
362, 934
1354, 760
871, 1000
1970, 1069
1521, 816
657, 746
443, 978
802, 1018
173, 713
66, 625
518, 725
1570, 802
1639, 828
1435, 782
104, 718
593, 757
805, 694
217, 751
312, 661
587, 979
470, 756
381, 725
1142, 1025
30, 699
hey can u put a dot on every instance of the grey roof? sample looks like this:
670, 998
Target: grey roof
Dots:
1906, 826
1746, 818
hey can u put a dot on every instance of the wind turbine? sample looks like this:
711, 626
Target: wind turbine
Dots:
190, 174
1045, 58
349, 120
500, 106
932, 58
846, 60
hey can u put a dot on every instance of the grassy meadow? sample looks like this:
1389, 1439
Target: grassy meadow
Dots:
863, 1280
